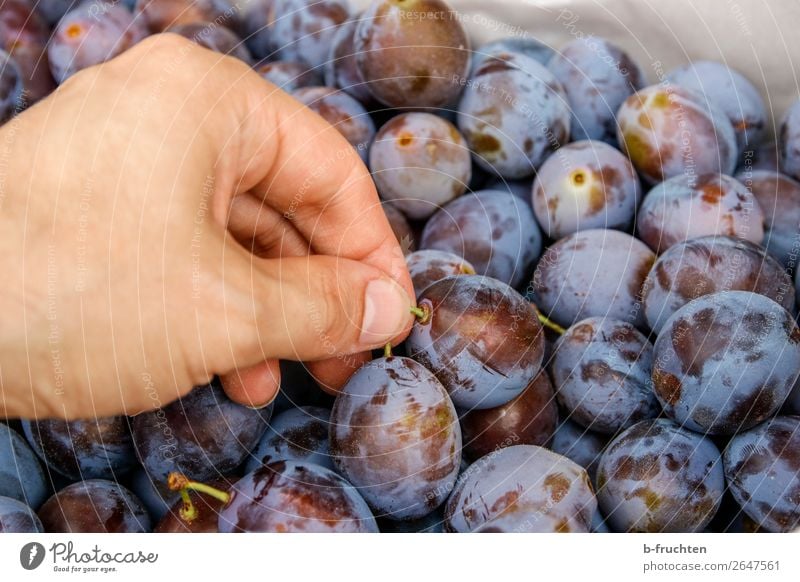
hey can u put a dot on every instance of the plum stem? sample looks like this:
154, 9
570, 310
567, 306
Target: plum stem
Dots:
188, 512
179, 482
423, 314
548, 323
466, 269
387, 350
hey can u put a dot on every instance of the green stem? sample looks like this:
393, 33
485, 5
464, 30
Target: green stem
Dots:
188, 512
545, 321
179, 482
421, 313
387, 350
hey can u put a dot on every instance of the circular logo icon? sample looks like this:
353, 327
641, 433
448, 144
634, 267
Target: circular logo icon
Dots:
31, 555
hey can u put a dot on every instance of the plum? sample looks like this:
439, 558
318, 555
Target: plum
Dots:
659, 477
214, 37
519, 188
204, 435
514, 114
493, 230
343, 112
253, 25
394, 435
298, 434
684, 208
522, 489
428, 266
94, 506
731, 92
580, 445
16, 517
762, 466
597, 76
159, 15
289, 496
303, 30
709, 264
789, 141
402, 230
601, 370
593, 273
289, 75
24, 36
727, 361
778, 195
412, 53
10, 87
671, 131
88, 35
99, 448
481, 338
586, 184
419, 162
341, 70
525, 45
21, 475
529, 419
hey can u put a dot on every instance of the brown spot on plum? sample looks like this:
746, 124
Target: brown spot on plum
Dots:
668, 386
557, 485
484, 143
641, 468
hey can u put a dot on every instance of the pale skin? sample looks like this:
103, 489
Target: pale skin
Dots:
170, 216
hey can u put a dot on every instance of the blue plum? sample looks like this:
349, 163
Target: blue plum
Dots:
303, 30
583, 185
789, 141
493, 230
778, 195
24, 36
522, 489
159, 15
726, 361
10, 87
214, 37
710, 264
670, 131
16, 517
684, 207
203, 435
395, 436
601, 370
88, 35
341, 70
514, 114
659, 477
731, 92
298, 434
253, 26
597, 76
428, 266
94, 506
528, 419
412, 53
99, 448
525, 45
289, 75
763, 470
593, 273
21, 475
343, 112
419, 162
580, 445
289, 496
481, 338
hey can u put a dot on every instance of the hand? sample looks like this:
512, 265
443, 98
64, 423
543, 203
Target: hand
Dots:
130, 202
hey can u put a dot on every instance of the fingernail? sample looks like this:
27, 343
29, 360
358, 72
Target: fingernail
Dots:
385, 312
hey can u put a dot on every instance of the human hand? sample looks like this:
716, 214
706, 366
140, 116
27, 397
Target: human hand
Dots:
130, 202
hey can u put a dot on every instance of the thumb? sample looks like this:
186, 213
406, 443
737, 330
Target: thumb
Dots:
316, 307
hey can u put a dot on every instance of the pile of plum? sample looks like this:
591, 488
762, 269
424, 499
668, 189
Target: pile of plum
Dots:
605, 335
